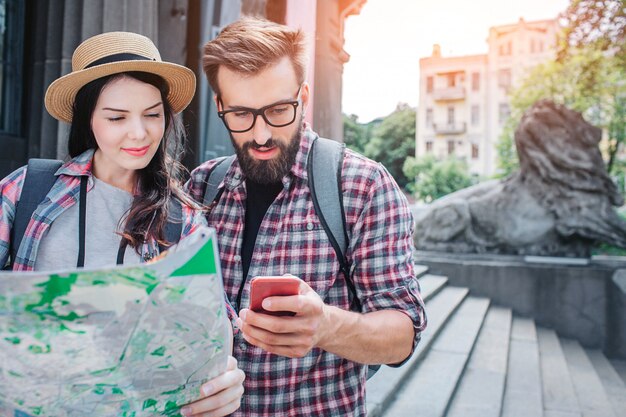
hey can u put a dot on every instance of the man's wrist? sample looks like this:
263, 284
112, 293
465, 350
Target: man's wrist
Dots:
333, 327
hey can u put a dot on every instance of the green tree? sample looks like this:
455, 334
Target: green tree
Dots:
435, 179
589, 82
589, 76
599, 24
355, 135
392, 141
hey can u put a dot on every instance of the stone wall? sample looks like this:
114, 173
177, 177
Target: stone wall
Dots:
583, 302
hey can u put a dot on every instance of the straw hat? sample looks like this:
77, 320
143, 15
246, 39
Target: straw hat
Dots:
112, 53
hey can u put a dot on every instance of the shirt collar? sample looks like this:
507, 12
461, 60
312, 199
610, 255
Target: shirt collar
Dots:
79, 165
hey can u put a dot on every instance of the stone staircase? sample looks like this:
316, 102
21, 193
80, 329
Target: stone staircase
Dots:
480, 360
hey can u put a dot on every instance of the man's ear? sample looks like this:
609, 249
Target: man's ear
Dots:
305, 94
217, 102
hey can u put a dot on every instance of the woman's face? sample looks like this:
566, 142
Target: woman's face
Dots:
128, 123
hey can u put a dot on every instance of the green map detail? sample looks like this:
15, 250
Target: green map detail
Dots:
203, 262
56, 286
150, 402
158, 352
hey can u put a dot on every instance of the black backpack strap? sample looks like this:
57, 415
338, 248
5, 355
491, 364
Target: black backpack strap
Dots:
37, 184
215, 177
324, 169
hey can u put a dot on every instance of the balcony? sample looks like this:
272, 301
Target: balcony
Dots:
449, 93
450, 128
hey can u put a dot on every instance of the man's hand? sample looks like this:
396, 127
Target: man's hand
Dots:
222, 394
384, 336
295, 336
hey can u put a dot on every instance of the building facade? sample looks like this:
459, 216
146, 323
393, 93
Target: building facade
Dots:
38, 37
464, 101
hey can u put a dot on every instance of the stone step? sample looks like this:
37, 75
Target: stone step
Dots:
613, 385
522, 395
559, 397
591, 395
479, 393
382, 387
438, 374
620, 367
420, 270
430, 285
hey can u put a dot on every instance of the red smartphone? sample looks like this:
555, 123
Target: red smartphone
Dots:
263, 287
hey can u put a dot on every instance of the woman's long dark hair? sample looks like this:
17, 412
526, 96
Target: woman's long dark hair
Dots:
159, 181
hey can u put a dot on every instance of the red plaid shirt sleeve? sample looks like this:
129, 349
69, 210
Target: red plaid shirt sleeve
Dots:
381, 244
10, 191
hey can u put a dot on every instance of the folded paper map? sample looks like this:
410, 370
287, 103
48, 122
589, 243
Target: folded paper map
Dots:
124, 341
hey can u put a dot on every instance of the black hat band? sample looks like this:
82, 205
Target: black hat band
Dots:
117, 58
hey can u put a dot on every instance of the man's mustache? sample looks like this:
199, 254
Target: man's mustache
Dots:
269, 144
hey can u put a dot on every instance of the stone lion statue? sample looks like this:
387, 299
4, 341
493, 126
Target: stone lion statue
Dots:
559, 203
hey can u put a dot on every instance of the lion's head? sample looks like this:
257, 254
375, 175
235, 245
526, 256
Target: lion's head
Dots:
560, 162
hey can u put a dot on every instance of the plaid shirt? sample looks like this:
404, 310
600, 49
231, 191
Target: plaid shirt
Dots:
63, 195
292, 240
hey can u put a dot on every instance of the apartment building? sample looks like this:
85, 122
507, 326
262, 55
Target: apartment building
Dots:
464, 101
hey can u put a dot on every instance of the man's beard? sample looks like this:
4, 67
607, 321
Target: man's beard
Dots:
272, 170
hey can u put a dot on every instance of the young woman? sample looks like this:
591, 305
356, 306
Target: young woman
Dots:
111, 201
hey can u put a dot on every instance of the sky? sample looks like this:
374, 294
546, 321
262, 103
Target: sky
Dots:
387, 39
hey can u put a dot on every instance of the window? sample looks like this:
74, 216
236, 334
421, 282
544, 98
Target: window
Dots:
430, 84
451, 115
505, 48
475, 115
475, 81
11, 47
450, 147
451, 80
429, 147
474, 151
504, 78
532, 46
429, 117
503, 112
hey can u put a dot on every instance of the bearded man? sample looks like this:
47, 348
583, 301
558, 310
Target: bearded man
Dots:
312, 363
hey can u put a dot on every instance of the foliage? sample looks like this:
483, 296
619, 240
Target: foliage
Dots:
354, 134
599, 24
435, 179
589, 82
392, 141
589, 76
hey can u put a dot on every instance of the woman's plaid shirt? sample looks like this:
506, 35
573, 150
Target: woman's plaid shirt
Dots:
292, 240
63, 195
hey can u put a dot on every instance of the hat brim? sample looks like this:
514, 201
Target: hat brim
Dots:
61, 93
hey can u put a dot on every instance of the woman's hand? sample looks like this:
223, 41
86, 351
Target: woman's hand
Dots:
222, 394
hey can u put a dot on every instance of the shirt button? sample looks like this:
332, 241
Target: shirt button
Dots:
237, 176
237, 258
309, 226
243, 346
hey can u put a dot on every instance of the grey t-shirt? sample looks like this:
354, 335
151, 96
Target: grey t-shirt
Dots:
106, 205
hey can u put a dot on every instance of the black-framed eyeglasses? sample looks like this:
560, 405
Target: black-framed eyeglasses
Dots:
242, 119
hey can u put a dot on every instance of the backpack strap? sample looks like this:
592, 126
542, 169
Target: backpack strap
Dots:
216, 176
324, 168
37, 184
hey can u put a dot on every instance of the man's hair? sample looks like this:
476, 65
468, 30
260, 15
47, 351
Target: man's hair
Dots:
250, 45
